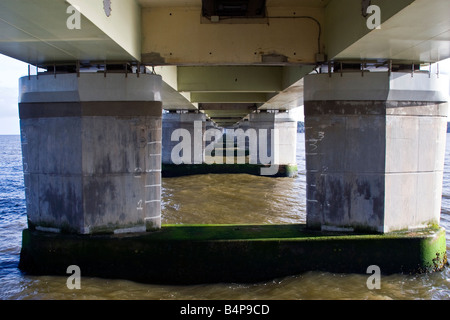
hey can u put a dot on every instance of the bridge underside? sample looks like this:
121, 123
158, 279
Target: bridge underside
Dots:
95, 136
225, 60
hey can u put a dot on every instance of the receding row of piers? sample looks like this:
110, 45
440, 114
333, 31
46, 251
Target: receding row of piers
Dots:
95, 147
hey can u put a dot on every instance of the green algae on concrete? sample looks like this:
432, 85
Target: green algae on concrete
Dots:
190, 254
173, 170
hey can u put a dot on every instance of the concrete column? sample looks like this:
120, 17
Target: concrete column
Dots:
245, 125
209, 124
281, 132
374, 150
182, 138
92, 152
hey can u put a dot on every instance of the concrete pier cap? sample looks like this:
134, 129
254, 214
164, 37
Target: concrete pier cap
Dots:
375, 145
91, 147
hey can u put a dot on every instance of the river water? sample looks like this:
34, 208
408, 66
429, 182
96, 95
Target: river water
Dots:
207, 199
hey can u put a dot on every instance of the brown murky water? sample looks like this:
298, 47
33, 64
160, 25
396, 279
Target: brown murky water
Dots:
216, 199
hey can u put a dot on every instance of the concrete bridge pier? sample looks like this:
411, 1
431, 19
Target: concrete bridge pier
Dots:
182, 138
210, 125
375, 150
263, 145
92, 152
277, 140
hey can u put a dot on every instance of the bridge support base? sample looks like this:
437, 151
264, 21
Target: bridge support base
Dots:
91, 149
197, 254
374, 150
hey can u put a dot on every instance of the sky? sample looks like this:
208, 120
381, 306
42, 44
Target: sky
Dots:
11, 70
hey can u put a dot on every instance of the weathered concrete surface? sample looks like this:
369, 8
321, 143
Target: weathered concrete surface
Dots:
281, 147
266, 141
179, 126
92, 152
192, 254
374, 154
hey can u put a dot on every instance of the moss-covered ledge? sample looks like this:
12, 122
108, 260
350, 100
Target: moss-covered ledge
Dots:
189, 254
173, 170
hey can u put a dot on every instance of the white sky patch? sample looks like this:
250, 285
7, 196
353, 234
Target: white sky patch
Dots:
9, 125
10, 72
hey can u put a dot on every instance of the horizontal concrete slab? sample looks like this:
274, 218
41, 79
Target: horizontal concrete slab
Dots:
234, 79
37, 32
229, 97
